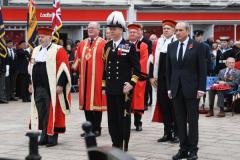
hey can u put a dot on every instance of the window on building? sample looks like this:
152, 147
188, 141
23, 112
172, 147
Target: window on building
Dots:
224, 30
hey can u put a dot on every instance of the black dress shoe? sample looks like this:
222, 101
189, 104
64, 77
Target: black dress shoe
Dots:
97, 133
52, 140
138, 128
3, 101
180, 155
175, 139
51, 144
13, 99
165, 138
43, 139
192, 156
26, 100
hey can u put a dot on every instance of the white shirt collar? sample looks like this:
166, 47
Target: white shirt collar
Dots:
42, 55
141, 38
184, 42
134, 42
170, 38
117, 42
165, 43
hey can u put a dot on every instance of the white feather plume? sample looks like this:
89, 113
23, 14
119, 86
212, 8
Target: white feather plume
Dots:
116, 17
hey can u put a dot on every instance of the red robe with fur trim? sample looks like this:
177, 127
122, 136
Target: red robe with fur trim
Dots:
90, 64
139, 89
56, 64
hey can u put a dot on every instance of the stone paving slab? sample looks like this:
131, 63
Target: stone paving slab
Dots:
219, 138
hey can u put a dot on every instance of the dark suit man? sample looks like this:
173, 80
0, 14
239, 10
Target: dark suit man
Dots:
23, 76
186, 82
13, 71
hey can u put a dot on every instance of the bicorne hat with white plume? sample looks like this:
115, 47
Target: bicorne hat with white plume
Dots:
116, 19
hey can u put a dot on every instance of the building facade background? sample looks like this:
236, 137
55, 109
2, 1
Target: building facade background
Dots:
215, 17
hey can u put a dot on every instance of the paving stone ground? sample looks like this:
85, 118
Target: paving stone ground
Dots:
219, 138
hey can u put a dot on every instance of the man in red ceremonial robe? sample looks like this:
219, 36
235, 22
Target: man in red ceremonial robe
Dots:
139, 89
163, 111
90, 65
51, 84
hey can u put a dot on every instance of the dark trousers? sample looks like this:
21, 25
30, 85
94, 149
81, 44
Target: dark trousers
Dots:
229, 102
148, 94
186, 111
166, 106
24, 83
42, 100
119, 120
220, 101
18, 85
137, 119
95, 118
11, 85
2, 87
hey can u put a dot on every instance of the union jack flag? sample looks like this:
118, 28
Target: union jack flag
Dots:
56, 20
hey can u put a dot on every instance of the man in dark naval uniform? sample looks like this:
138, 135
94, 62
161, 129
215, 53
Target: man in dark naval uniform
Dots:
51, 85
121, 73
222, 54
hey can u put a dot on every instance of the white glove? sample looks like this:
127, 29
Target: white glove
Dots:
7, 71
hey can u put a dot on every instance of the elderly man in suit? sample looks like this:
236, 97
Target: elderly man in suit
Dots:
186, 83
228, 76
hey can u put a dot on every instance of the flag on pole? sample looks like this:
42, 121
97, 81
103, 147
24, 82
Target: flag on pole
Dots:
3, 48
56, 20
32, 32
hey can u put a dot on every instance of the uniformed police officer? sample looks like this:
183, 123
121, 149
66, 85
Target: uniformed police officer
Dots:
121, 73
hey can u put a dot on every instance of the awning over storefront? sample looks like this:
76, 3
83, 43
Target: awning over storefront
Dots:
69, 15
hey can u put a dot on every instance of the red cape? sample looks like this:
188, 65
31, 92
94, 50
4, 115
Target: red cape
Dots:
157, 114
139, 89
